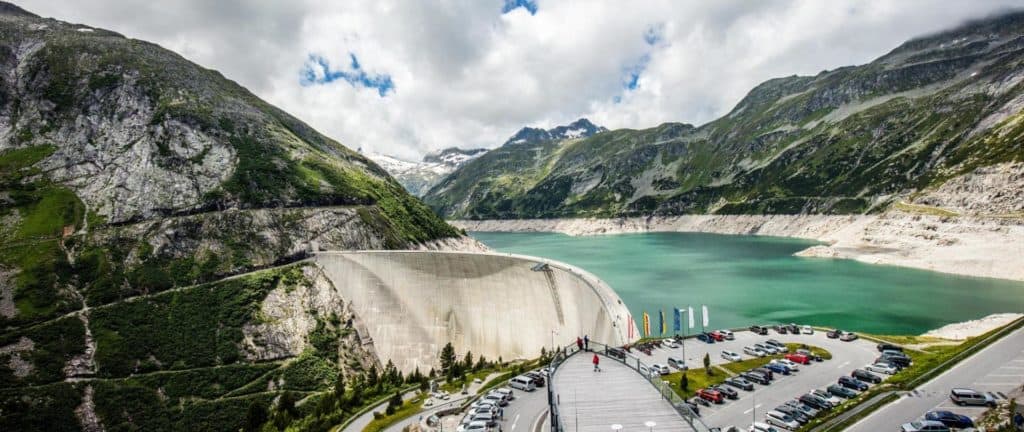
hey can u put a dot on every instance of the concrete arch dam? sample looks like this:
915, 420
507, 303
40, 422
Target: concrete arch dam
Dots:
496, 305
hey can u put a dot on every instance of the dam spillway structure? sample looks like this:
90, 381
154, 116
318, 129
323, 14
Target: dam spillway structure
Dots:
412, 303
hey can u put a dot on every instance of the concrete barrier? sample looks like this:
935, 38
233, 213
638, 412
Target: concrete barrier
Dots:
495, 305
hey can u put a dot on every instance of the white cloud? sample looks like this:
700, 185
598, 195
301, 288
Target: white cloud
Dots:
467, 75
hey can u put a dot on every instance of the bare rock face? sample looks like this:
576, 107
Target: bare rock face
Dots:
991, 190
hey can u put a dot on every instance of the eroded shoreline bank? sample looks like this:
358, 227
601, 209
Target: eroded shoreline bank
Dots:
963, 245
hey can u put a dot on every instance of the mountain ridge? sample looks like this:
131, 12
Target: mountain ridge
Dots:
848, 140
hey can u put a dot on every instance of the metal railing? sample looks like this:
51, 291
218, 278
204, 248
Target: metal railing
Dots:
664, 389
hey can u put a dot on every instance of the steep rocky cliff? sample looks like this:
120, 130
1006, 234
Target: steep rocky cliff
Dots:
847, 141
140, 194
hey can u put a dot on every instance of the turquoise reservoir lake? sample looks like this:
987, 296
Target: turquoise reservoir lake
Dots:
748, 280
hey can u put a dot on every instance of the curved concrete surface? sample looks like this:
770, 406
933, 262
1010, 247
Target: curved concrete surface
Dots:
496, 305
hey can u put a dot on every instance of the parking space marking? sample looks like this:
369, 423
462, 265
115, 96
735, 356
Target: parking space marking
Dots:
514, 423
1006, 375
754, 408
843, 365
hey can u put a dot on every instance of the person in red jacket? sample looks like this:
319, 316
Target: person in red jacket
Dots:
579, 343
597, 361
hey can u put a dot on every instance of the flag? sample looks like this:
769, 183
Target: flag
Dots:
677, 324
704, 314
629, 324
647, 325
661, 321
690, 314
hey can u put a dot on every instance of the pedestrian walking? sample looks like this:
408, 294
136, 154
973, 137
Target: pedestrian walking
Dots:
1018, 420
597, 361
501, 413
579, 343
586, 342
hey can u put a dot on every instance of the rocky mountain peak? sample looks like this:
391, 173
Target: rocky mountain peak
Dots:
581, 128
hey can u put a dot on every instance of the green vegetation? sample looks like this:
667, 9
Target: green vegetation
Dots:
46, 408
53, 344
696, 380
406, 410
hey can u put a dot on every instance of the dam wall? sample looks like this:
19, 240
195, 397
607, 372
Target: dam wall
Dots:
495, 305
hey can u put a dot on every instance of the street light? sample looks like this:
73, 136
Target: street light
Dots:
650, 425
616, 427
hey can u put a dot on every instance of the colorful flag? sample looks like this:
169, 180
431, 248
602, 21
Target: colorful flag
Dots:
629, 325
677, 324
704, 314
661, 320
647, 325
690, 314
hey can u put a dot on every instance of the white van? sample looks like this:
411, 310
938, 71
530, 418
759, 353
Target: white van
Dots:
522, 383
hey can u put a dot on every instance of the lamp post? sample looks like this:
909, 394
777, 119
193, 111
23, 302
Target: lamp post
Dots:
616, 427
650, 425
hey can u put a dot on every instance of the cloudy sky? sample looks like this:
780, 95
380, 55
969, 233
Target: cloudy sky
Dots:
407, 77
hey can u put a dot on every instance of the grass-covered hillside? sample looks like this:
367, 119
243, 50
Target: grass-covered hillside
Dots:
850, 140
140, 197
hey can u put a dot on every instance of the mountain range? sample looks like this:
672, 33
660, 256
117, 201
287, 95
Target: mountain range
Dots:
851, 140
155, 216
419, 177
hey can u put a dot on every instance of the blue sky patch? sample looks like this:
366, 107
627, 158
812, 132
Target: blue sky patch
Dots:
654, 34
511, 5
631, 73
318, 71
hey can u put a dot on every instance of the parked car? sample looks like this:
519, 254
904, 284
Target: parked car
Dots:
699, 400
806, 330
767, 348
497, 398
692, 406
815, 402
832, 399
538, 379
778, 367
798, 358
950, 419
853, 383
841, 391
717, 336
883, 368
756, 352
523, 383
660, 369
924, 426
727, 334
804, 408
962, 396
486, 417
507, 392
882, 347
755, 377
797, 415
726, 391
704, 337
756, 329
848, 336
617, 353
781, 419
833, 334
810, 354
793, 366
793, 328
764, 371
731, 356
472, 426
677, 363
780, 329
776, 344
762, 427
710, 395
740, 383
898, 362
866, 376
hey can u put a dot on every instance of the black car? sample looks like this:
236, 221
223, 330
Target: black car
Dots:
756, 329
950, 419
833, 334
765, 371
755, 377
896, 362
889, 347
866, 376
706, 337
617, 353
793, 328
725, 390
843, 392
692, 406
800, 416
739, 383
853, 383
699, 400
780, 329
815, 402
538, 379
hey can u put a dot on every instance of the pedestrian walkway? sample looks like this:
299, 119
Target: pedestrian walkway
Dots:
594, 401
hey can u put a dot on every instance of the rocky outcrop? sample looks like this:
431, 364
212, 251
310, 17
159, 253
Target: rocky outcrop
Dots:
996, 190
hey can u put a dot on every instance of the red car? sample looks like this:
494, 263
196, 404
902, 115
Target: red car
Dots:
798, 358
717, 336
710, 395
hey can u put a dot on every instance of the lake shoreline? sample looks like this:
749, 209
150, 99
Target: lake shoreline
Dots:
968, 246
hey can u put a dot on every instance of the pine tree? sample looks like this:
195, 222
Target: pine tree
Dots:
339, 386
256, 416
684, 382
372, 378
447, 358
707, 363
467, 362
394, 403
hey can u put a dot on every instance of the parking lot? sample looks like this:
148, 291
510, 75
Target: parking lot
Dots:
846, 356
521, 413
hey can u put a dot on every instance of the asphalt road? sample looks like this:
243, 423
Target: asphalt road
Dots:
846, 356
996, 369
